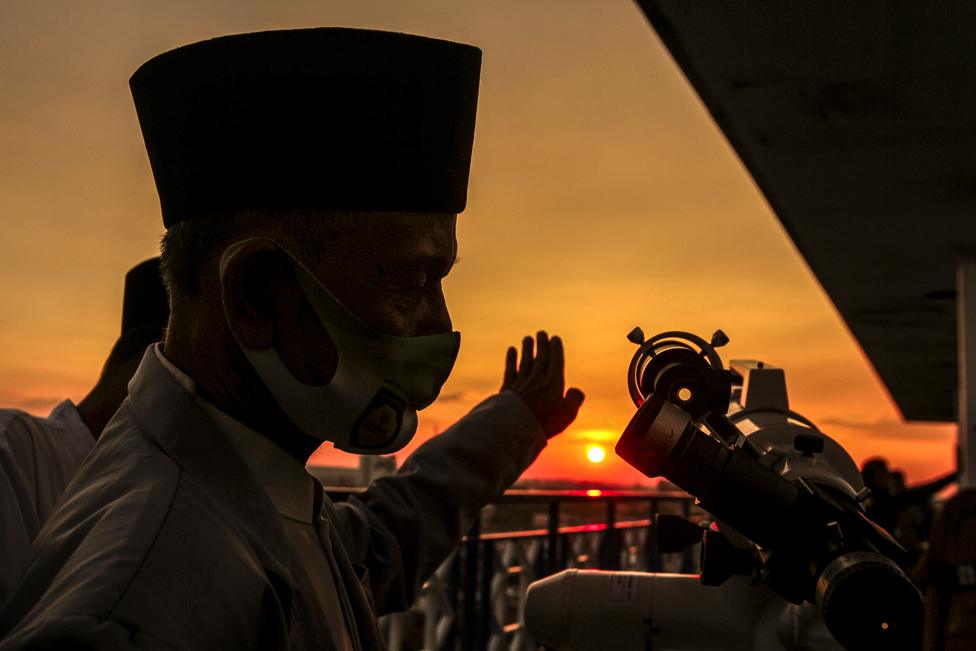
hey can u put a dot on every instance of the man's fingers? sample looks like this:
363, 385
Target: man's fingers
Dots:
575, 397
541, 364
511, 361
557, 358
525, 367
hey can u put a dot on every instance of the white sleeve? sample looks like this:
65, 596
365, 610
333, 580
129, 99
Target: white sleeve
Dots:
404, 526
38, 457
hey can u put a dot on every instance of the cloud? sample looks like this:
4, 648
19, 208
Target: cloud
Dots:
592, 435
37, 405
889, 429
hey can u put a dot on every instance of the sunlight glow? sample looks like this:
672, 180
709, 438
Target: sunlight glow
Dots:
596, 454
597, 436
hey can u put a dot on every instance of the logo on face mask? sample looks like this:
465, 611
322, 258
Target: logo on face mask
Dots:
380, 421
370, 405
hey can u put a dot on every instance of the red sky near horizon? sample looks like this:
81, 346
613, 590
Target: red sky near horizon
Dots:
602, 197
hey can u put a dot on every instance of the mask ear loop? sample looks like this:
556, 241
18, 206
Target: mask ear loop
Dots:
300, 402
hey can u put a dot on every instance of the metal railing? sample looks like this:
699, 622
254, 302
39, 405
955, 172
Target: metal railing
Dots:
474, 600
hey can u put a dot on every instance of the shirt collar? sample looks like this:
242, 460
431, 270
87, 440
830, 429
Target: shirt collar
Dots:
283, 478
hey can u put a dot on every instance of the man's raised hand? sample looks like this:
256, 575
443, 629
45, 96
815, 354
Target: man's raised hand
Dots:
540, 381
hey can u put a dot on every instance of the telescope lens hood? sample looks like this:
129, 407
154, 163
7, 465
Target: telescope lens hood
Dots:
869, 603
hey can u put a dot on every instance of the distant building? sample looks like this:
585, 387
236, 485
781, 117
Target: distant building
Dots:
370, 467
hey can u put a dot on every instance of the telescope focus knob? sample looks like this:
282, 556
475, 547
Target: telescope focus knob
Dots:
636, 336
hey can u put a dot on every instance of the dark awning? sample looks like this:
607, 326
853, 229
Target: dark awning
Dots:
857, 120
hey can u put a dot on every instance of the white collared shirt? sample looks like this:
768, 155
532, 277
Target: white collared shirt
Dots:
38, 457
292, 491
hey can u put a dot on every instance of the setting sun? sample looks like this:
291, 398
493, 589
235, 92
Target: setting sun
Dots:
596, 454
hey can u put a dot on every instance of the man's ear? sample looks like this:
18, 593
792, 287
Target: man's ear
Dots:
251, 274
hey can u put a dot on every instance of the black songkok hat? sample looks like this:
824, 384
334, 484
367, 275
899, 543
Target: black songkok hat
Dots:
324, 118
144, 304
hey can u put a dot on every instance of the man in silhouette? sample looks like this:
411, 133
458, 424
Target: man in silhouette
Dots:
310, 182
39, 456
892, 501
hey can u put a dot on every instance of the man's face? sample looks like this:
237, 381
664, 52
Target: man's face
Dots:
389, 272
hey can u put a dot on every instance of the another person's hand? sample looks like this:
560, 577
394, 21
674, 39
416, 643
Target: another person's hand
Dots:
540, 381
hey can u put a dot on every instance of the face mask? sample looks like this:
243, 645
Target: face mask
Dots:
381, 381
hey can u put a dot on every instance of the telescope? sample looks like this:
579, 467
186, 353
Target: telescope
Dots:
788, 558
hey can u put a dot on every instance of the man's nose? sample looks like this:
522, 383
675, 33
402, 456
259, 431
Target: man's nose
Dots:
436, 318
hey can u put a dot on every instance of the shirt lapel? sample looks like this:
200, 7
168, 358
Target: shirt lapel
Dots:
356, 593
173, 419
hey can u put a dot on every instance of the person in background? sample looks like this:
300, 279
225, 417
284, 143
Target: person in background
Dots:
39, 456
905, 512
310, 182
947, 576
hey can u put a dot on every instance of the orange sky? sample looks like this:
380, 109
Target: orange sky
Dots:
602, 197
